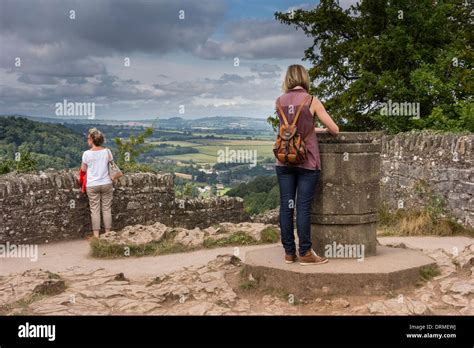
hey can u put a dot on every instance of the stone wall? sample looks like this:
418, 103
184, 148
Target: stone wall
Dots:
202, 213
415, 168
51, 207
418, 168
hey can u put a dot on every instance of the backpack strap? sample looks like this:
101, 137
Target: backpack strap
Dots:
282, 114
299, 109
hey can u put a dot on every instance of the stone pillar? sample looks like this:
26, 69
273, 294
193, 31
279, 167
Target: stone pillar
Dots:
346, 203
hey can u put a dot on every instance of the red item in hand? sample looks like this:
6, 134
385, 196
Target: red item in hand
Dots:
82, 180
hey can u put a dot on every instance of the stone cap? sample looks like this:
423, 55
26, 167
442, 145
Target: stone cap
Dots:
351, 138
18, 183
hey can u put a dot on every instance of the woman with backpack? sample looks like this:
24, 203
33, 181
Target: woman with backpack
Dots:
298, 164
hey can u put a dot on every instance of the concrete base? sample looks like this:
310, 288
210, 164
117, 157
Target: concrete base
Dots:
324, 236
391, 269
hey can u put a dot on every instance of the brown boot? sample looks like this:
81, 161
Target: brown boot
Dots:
290, 258
311, 258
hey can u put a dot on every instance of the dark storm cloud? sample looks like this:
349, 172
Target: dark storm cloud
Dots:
61, 57
66, 59
105, 26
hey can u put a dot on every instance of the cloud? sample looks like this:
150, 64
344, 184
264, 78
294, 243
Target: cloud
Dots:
106, 26
82, 59
346, 4
256, 39
265, 70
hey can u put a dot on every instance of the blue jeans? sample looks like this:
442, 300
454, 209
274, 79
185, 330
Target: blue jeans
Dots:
299, 182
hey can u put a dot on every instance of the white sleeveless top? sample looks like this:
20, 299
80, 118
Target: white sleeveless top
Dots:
97, 167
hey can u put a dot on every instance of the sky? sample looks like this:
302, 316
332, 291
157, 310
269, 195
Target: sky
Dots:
137, 59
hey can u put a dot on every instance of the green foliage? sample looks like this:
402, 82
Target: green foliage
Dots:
274, 122
260, 194
6, 166
430, 219
128, 151
435, 203
429, 272
413, 51
247, 284
41, 145
237, 238
104, 249
270, 235
186, 190
25, 163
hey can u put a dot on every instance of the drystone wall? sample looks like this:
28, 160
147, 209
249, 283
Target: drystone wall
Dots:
425, 169
50, 206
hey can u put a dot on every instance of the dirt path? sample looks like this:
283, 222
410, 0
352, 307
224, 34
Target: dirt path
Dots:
62, 256
199, 282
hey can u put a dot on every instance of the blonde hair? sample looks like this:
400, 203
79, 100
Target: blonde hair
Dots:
96, 136
296, 75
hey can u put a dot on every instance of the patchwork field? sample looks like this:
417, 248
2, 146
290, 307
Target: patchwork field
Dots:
209, 148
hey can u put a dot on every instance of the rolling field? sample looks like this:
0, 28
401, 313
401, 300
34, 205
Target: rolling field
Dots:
175, 143
208, 149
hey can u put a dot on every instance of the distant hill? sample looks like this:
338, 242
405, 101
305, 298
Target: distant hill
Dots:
215, 122
53, 145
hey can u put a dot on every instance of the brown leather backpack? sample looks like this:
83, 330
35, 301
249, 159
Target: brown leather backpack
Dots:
290, 147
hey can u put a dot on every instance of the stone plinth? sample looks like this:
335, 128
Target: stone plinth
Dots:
346, 202
391, 269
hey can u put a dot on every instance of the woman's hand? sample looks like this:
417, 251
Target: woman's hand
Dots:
320, 130
318, 108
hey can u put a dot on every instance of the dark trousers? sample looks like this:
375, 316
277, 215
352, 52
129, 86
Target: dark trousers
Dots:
301, 184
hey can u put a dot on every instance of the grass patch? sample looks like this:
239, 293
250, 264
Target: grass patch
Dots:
237, 238
103, 249
420, 223
22, 303
429, 272
247, 282
270, 235
52, 275
432, 220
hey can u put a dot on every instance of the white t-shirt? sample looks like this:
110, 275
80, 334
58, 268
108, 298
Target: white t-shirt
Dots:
97, 167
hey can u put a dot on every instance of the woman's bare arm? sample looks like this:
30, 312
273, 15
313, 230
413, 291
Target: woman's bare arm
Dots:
318, 108
84, 167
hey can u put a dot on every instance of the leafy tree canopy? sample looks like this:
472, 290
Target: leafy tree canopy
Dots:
391, 51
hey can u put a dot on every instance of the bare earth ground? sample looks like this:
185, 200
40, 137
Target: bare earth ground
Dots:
67, 281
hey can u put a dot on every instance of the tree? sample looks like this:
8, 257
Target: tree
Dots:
128, 150
187, 190
403, 51
24, 161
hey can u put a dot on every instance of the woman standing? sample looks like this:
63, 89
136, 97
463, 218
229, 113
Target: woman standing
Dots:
299, 180
95, 162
